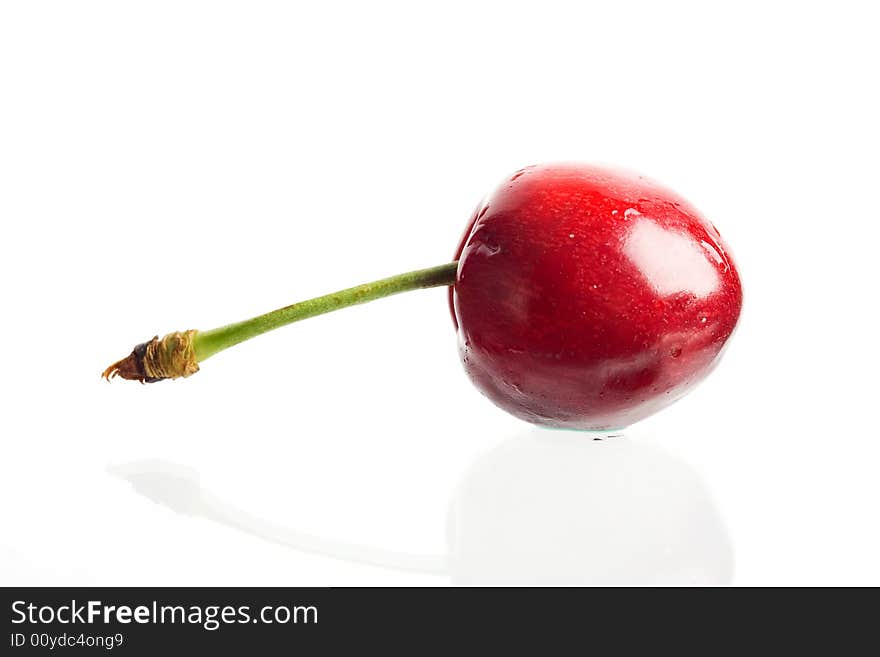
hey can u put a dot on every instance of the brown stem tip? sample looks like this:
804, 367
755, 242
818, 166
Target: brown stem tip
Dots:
132, 366
169, 358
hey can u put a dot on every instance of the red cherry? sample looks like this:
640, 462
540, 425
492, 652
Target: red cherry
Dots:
583, 298
587, 298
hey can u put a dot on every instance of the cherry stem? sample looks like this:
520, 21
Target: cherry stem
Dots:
208, 343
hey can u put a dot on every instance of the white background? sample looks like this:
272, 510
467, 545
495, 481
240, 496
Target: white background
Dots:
175, 165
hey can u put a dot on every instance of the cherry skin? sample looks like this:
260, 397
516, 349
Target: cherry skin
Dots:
586, 298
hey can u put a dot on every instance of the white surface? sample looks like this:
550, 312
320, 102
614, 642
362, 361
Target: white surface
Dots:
180, 165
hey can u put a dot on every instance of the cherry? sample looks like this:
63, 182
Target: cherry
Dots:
590, 299
583, 298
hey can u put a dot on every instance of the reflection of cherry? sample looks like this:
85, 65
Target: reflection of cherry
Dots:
590, 299
583, 298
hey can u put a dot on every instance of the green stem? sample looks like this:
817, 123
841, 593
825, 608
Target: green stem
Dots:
208, 343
